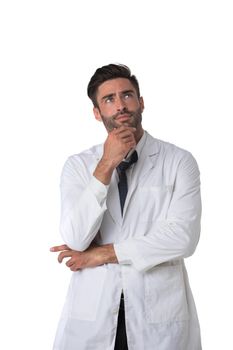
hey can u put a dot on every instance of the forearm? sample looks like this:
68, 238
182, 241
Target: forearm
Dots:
92, 257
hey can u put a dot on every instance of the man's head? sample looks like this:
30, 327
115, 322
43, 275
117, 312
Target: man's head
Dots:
116, 97
109, 72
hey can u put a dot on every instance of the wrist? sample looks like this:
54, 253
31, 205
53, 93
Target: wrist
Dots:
103, 171
108, 254
108, 165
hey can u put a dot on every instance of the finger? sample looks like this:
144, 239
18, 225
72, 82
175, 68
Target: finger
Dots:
74, 268
59, 248
127, 138
65, 254
128, 146
70, 262
126, 134
123, 128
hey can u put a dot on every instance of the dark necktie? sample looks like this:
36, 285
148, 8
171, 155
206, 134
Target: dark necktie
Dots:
122, 185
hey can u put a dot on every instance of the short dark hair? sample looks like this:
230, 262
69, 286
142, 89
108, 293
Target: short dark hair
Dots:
108, 72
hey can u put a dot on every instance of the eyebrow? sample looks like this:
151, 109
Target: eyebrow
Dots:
127, 91
121, 92
107, 96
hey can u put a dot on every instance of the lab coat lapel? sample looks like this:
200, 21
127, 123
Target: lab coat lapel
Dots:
146, 162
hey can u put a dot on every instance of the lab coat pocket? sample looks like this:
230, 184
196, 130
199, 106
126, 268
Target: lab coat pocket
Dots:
86, 291
154, 202
165, 296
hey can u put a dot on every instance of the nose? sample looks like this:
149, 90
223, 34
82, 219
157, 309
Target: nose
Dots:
120, 104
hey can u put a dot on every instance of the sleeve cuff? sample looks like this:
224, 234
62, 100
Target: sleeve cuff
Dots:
127, 254
99, 190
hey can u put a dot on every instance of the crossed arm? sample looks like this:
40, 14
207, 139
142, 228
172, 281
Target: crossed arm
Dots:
91, 257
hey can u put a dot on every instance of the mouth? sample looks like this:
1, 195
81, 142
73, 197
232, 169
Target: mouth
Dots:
124, 117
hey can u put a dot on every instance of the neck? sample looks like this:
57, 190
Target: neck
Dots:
138, 134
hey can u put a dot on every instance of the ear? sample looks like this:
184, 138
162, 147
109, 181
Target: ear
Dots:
97, 114
141, 101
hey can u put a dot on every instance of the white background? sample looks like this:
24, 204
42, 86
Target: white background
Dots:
181, 52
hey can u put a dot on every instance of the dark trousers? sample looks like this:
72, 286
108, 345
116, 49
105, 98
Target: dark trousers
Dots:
121, 338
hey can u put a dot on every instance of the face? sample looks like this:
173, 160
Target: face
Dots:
118, 104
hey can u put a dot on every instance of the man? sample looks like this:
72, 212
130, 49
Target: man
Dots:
128, 220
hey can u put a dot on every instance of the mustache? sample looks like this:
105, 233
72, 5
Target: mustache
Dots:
123, 111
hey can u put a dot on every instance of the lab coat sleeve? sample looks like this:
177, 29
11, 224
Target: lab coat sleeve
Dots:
174, 237
83, 203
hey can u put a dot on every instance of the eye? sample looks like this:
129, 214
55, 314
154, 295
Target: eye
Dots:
109, 99
127, 95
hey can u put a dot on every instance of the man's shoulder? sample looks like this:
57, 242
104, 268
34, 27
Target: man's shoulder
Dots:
165, 147
170, 154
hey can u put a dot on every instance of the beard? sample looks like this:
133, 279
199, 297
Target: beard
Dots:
135, 120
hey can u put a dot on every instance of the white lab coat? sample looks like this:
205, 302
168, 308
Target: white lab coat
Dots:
159, 228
